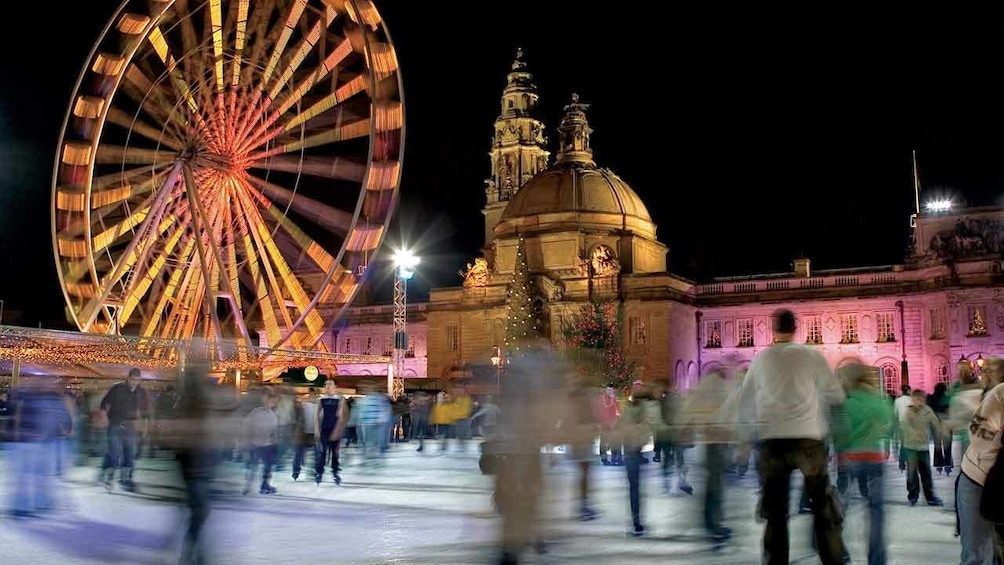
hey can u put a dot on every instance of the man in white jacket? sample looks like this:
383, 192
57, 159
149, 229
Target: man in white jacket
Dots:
785, 395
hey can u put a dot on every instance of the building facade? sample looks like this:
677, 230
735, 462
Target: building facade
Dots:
589, 237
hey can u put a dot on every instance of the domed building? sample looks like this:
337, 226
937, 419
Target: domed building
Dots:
587, 236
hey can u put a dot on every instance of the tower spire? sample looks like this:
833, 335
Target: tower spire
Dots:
573, 134
518, 146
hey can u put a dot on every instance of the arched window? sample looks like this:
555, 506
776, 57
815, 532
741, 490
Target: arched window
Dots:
890, 376
943, 373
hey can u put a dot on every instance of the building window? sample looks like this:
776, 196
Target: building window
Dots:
939, 329
369, 346
410, 352
744, 333
944, 374
977, 321
814, 330
638, 331
886, 329
452, 338
348, 345
890, 376
713, 330
849, 328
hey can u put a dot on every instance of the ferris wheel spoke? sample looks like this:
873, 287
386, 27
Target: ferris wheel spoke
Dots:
90, 311
340, 132
163, 50
135, 293
153, 100
316, 211
136, 125
341, 94
118, 154
167, 294
240, 40
332, 61
259, 256
337, 168
306, 45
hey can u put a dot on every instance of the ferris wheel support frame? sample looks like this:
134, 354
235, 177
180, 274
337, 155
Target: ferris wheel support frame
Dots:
106, 289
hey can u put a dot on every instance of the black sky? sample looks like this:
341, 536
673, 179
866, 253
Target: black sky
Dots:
752, 135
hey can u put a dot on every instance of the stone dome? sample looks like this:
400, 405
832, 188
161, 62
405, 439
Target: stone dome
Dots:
577, 189
574, 191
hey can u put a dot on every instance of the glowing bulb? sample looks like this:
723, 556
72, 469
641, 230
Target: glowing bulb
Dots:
939, 205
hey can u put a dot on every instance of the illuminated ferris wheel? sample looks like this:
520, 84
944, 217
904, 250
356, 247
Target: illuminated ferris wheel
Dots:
227, 168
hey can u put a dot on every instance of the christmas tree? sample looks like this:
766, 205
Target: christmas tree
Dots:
594, 343
978, 327
522, 322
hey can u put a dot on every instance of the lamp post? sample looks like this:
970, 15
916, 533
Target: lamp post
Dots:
404, 268
1, 312
497, 362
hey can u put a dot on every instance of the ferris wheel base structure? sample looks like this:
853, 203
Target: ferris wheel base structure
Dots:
227, 169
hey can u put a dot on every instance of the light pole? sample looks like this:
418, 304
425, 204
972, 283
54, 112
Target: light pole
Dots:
404, 268
497, 362
1, 312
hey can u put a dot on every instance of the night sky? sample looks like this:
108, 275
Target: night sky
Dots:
751, 136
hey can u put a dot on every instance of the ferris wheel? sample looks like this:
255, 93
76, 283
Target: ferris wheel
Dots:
227, 168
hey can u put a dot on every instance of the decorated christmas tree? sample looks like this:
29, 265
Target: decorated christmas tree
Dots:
522, 321
978, 327
594, 344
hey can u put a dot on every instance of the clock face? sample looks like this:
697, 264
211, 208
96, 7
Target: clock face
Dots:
310, 373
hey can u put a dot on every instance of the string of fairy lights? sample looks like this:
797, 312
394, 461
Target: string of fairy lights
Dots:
58, 348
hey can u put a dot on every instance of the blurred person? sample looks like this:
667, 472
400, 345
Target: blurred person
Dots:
939, 403
163, 412
459, 411
979, 509
677, 440
917, 428
420, 407
607, 413
189, 433
581, 431
705, 413
487, 416
126, 407
261, 427
867, 423
284, 411
783, 396
330, 418
530, 407
302, 438
964, 401
40, 422
901, 405
374, 413
636, 425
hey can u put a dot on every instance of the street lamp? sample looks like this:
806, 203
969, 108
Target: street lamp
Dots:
497, 362
404, 269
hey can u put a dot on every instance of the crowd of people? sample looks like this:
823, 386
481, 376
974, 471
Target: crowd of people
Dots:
788, 412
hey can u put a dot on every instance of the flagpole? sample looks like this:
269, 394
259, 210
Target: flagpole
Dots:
916, 182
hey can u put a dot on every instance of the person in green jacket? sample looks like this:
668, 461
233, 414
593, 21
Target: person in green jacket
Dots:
867, 423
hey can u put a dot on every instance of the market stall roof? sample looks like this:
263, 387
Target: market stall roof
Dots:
82, 355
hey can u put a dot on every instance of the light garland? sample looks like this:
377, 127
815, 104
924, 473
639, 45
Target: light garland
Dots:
59, 348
